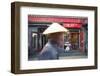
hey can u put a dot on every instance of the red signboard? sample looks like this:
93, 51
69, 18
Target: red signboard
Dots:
54, 19
72, 25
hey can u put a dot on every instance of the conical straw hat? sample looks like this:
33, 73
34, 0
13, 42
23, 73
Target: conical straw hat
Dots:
54, 28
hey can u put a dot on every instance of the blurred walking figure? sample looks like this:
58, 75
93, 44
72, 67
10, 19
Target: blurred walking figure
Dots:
55, 45
68, 46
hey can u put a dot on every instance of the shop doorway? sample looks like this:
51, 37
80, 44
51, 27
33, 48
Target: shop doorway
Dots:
74, 40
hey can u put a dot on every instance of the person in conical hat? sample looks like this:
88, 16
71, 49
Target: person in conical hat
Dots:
55, 45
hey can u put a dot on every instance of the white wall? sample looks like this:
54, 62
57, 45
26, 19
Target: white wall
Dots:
5, 35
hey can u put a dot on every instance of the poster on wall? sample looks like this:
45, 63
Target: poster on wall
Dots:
52, 37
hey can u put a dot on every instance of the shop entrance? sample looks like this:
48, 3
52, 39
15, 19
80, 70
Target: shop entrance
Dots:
74, 40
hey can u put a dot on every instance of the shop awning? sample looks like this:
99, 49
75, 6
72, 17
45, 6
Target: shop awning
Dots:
54, 19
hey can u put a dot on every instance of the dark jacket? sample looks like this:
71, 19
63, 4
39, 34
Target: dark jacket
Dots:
50, 51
